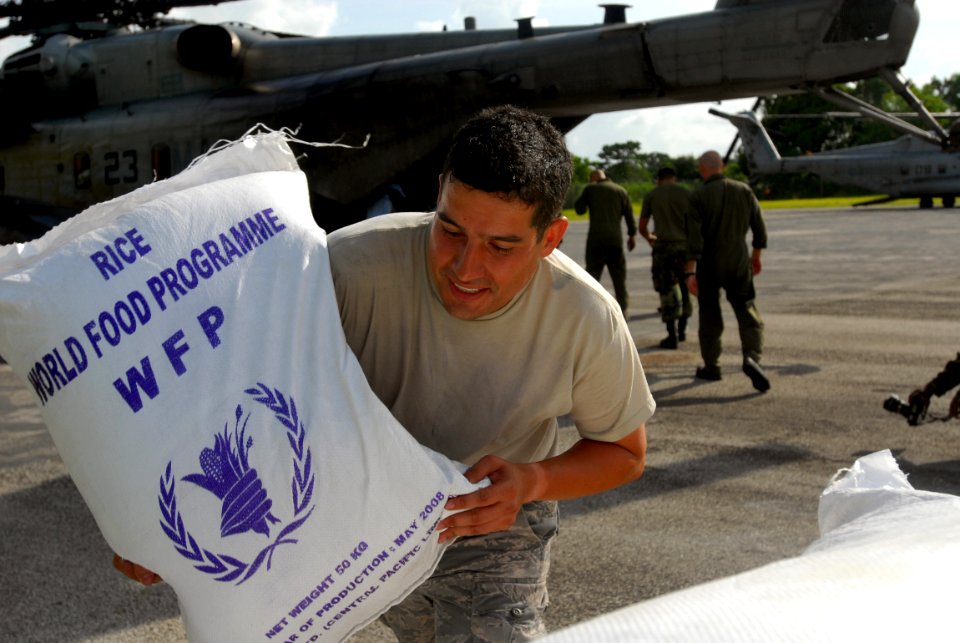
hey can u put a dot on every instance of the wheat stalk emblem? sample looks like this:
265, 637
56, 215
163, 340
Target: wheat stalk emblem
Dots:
245, 505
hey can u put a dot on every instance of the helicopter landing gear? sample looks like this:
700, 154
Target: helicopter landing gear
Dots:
926, 202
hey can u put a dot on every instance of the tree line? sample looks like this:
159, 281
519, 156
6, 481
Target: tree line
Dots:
627, 163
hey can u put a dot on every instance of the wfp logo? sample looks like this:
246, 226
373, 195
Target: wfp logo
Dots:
245, 504
228, 476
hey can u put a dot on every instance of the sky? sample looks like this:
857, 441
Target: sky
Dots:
677, 130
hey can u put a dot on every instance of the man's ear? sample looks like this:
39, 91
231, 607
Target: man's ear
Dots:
553, 235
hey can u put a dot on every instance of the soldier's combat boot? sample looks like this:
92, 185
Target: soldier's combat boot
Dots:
710, 373
756, 374
670, 341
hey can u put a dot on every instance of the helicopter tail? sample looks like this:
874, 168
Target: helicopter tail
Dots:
761, 152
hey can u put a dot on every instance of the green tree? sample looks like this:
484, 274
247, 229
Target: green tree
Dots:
795, 136
687, 167
651, 162
947, 90
622, 162
582, 167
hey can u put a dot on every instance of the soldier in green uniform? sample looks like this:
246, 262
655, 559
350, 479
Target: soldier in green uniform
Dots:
668, 205
607, 203
722, 211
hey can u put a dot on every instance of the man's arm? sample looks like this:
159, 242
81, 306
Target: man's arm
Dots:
580, 205
646, 213
626, 210
588, 467
945, 380
642, 228
759, 231
690, 274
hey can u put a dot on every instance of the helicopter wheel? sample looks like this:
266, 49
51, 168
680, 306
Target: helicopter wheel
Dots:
948, 201
926, 202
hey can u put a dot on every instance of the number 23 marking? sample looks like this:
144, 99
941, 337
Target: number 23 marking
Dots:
120, 166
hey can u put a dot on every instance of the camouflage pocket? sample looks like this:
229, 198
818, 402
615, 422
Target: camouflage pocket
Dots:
543, 518
509, 609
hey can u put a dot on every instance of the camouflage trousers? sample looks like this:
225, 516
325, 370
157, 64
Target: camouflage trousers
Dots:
485, 588
667, 268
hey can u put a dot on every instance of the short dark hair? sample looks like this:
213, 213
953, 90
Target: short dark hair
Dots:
516, 154
666, 173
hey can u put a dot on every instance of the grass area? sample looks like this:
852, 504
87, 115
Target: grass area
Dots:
783, 204
829, 202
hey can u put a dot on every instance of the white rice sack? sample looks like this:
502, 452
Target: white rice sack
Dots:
885, 568
185, 346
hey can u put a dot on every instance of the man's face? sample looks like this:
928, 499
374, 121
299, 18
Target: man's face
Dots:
483, 250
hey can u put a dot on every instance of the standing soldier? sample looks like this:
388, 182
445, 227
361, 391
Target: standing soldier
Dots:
668, 205
607, 203
722, 211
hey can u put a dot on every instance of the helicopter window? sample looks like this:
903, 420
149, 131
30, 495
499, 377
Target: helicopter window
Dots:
160, 159
81, 171
942, 169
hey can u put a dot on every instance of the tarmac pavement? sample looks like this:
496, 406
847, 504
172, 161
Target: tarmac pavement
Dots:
858, 304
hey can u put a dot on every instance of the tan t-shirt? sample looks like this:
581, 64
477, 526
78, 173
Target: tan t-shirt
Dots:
494, 385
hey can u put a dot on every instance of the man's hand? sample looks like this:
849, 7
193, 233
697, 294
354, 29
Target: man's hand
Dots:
493, 508
135, 572
919, 396
690, 275
651, 237
755, 261
631, 242
586, 468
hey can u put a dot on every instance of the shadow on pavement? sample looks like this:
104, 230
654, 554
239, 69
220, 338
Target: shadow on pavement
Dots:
663, 396
687, 381
59, 584
724, 464
642, 316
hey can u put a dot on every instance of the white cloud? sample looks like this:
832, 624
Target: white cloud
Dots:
430, 25
296, 16
307, 17
681, 130
12, 45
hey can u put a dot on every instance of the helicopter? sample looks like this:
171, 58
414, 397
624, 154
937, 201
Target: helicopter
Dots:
921, 163
111, 94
